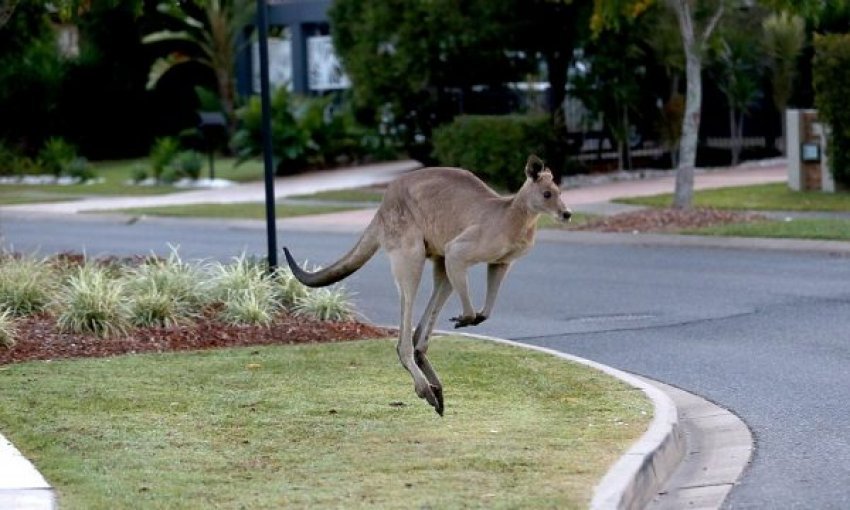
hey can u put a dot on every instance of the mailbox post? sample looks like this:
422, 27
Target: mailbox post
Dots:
213, 127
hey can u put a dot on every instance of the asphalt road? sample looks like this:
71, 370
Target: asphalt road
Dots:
763, 333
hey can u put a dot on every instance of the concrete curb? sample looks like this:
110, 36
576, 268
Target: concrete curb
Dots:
637, 477
21, 485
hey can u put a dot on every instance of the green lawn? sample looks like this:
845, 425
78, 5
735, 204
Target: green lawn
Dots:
115, 175
823, 229
248, 210
345, 195
319, 426
764, 197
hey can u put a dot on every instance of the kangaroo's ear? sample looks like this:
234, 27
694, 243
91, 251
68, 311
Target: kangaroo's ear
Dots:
533, 167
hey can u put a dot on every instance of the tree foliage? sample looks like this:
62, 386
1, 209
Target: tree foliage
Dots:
211, 28
423, 57
831, 81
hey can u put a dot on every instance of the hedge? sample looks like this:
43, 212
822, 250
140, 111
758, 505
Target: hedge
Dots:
831, 81
495, 147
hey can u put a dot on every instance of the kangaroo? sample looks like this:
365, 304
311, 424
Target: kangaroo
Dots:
451, 217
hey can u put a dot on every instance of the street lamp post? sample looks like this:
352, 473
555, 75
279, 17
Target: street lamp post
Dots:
268, 160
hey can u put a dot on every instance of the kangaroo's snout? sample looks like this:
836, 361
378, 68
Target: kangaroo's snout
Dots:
566, 215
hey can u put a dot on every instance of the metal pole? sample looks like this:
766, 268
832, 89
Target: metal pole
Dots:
268, 161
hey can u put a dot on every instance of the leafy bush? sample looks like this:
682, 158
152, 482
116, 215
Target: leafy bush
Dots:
325, 305
56, 156
92, 301
308, 131
189, 164
494, 147
831, 81
162, 154
26, 285
80, 170
8, 331
289, 140
248, 306
138, 173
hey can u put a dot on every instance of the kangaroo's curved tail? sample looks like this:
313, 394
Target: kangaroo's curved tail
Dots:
365, 248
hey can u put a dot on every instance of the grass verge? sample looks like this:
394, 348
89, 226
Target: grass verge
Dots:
366, 195
763, 197
115, 175
821, 229
319, 426
249, 210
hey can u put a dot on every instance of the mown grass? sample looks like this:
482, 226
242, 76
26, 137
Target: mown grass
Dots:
763, 197
115, 175
821, 229
319, 426
345, 195
247, 210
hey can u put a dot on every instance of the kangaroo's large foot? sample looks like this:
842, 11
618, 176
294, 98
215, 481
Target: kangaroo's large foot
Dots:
433, 395
462, 321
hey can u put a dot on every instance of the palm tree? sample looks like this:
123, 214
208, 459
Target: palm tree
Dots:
215, 37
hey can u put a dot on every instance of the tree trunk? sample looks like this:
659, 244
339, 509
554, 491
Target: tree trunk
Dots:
690, 127
693, 45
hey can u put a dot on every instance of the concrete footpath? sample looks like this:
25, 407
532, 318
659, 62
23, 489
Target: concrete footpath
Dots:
694, 452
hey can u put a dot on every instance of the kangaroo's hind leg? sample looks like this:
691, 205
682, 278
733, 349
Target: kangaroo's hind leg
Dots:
407, 261
442, 289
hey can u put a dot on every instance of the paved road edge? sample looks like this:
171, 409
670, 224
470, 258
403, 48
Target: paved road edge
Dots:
637, 477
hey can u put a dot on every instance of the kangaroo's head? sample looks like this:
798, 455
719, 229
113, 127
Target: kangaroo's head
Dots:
540, 192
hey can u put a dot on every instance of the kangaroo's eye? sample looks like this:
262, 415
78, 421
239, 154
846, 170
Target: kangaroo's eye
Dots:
547, 194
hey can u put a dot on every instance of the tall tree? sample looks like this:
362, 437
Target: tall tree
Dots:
696, 20
419, 56
783, 36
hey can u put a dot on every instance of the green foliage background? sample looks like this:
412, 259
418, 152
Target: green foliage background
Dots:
831, 81
495, 147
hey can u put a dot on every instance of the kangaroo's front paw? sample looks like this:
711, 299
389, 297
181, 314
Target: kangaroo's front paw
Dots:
463, 321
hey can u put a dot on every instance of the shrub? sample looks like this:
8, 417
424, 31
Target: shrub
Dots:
325, 305
56, 156
26, 285
495, 147
138, 173
80, 170
162, 154
189, 164
92, 301
8, 331
308, 131
831, 81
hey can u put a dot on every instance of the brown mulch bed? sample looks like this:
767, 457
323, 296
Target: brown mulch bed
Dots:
667, 220
38, 338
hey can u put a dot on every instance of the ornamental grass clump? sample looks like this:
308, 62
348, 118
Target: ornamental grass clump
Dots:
325, 305
166, 292
92, 301
246, 291
8, 330
151, 306
26, 284
288, 290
